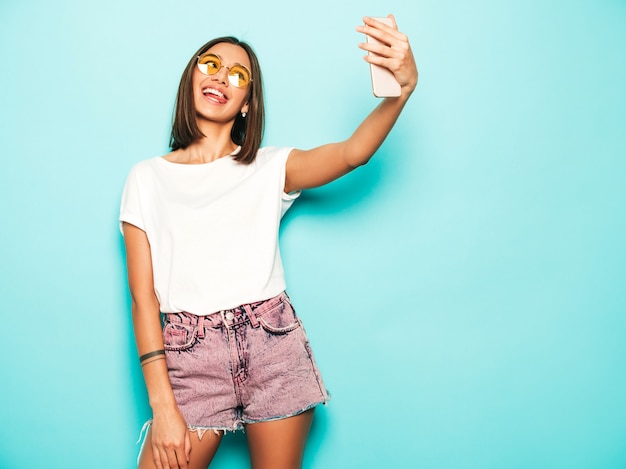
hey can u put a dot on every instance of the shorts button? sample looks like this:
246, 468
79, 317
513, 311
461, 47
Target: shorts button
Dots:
230, 316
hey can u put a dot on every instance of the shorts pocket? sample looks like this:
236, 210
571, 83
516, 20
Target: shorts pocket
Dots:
280, 320
177, 336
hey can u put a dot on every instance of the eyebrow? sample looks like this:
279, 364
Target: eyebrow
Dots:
222, 60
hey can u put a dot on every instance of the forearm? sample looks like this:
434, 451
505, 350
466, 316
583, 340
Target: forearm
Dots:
169, 436
369, 136
148, 336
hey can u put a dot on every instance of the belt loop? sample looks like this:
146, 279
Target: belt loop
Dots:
224, 319
251, 315
201, 327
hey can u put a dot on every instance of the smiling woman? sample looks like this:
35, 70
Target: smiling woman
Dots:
220, 344
185, 129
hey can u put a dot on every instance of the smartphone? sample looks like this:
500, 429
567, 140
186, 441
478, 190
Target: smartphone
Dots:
384, 84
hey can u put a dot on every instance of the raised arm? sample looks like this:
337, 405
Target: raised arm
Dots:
321, 165
169, 436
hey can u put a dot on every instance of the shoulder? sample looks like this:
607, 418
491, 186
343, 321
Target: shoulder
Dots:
141, 172
275, 154
146, 166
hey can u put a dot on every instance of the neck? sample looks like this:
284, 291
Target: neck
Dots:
215, 144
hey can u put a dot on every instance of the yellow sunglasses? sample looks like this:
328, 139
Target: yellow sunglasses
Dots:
238, 75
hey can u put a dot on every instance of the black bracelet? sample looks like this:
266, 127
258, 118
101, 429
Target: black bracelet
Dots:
151, 354
154, 359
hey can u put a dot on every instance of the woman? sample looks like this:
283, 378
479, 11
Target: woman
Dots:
201, 226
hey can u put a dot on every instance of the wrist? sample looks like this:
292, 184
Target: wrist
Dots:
407, 90
163, 404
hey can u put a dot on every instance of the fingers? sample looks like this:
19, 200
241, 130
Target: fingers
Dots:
156, 456
381, 32
172, 457
389, 48
383, 40
169, 438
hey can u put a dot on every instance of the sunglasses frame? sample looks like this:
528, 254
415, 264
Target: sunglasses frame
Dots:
232, 79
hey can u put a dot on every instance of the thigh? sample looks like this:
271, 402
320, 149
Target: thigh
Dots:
279, 444
202, 450
283, 378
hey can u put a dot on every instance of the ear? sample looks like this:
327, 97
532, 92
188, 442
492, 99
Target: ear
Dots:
245, 108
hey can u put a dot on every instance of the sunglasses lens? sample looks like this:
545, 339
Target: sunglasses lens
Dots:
239, 76
209, 64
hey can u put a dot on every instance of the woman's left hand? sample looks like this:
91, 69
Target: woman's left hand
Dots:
394, 53
320, 165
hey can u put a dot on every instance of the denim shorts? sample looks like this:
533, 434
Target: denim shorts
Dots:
245, 365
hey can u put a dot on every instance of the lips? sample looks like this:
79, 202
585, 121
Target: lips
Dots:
214, 95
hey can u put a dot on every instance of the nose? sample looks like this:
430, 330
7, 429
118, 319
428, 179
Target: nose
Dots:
222, 75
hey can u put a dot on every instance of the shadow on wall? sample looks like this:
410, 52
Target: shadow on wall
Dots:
379, 177
341, 195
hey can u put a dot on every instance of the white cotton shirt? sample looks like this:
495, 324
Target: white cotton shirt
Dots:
212, 228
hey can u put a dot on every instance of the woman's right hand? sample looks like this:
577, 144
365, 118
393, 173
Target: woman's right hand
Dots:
171, 445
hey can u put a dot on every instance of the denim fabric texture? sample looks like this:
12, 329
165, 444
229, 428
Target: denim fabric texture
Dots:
245, 365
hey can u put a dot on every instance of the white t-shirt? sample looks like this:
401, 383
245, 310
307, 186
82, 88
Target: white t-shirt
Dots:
212, 228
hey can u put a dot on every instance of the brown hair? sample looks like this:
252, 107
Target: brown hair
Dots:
247, 132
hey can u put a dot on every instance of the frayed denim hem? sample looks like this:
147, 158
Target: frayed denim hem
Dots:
217, 430
238, 425
143, 434
200, 430
281, 417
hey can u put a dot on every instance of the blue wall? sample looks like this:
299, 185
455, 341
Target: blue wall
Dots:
464, 292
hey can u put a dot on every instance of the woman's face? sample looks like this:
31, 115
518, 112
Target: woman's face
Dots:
215, 98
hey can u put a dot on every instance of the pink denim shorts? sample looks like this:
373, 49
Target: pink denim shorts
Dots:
245, 365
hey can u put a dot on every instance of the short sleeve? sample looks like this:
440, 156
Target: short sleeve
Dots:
287, 200
130, 209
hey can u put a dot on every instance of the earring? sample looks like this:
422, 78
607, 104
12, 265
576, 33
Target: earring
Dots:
243, 114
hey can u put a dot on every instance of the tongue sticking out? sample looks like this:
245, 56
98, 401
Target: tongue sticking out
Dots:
215, 96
